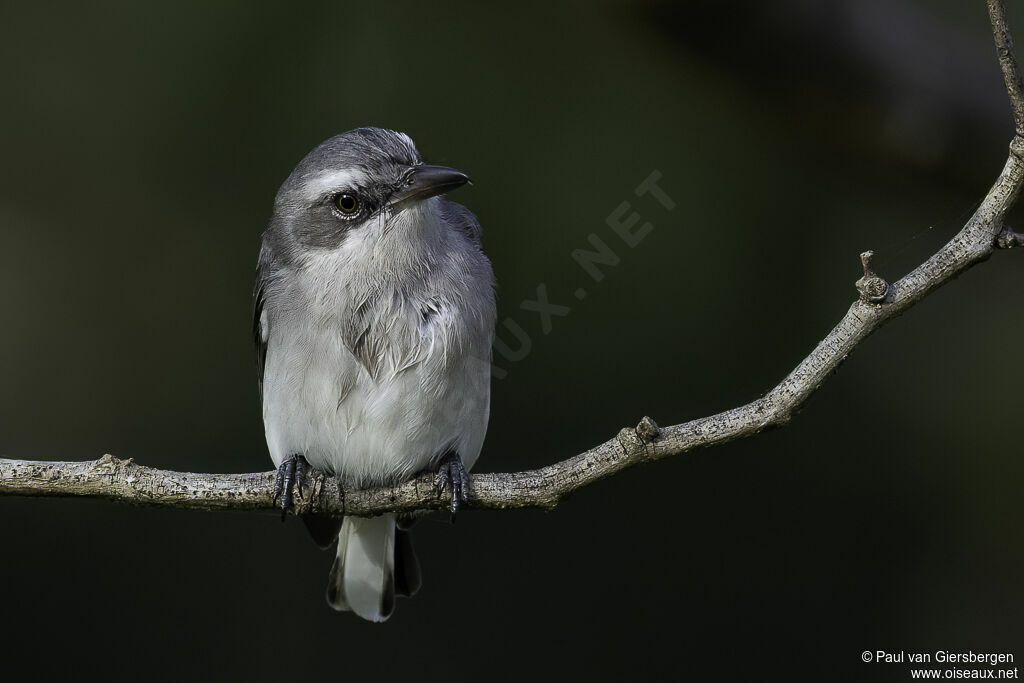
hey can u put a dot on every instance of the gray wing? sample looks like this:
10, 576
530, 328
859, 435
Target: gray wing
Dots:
259, 301
324, 530
463, 219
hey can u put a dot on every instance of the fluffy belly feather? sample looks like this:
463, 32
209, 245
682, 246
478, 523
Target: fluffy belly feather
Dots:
319, 401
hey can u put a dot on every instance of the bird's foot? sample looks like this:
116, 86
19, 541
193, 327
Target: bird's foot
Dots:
453, 476
291, 472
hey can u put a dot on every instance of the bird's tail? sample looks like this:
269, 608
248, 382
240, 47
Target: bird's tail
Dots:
375, 562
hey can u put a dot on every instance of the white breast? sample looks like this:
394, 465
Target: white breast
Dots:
431, 390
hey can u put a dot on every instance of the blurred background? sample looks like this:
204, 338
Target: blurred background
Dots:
142, 150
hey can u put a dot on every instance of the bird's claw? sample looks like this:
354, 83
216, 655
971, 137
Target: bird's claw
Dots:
452, 475
291, 472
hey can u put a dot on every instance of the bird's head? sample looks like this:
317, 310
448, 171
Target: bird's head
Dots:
365, 177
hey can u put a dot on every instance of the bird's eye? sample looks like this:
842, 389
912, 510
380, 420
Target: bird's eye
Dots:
347, 203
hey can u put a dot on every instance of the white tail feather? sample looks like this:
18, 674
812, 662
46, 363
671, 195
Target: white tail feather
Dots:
362, 579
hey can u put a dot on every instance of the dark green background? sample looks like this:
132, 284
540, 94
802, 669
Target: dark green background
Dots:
142, 147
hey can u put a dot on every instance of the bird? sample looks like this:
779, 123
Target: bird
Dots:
374, 314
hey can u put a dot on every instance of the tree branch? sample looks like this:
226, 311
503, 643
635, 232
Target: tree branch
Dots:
879, 302
1007, 61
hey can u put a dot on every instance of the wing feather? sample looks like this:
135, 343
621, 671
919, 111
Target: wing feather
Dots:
259, 321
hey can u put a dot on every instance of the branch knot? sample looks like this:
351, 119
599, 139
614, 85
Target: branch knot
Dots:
873, 289
107, 464
1008, 239
648, 430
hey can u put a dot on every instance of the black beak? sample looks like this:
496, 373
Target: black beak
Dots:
428, 181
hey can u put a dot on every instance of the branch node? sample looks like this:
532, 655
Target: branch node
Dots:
1017, 147
648, 430
107, 464
873, 289
1008, 239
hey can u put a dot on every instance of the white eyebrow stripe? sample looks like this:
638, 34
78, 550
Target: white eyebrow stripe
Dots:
330, 181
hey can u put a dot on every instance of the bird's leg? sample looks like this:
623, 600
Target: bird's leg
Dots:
291, 472
452, 475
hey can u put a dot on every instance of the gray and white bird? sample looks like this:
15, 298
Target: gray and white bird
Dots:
374, 318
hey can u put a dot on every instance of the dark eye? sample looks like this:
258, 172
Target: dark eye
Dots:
347, 203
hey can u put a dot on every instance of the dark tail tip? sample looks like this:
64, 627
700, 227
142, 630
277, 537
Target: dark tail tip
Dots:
408, 577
